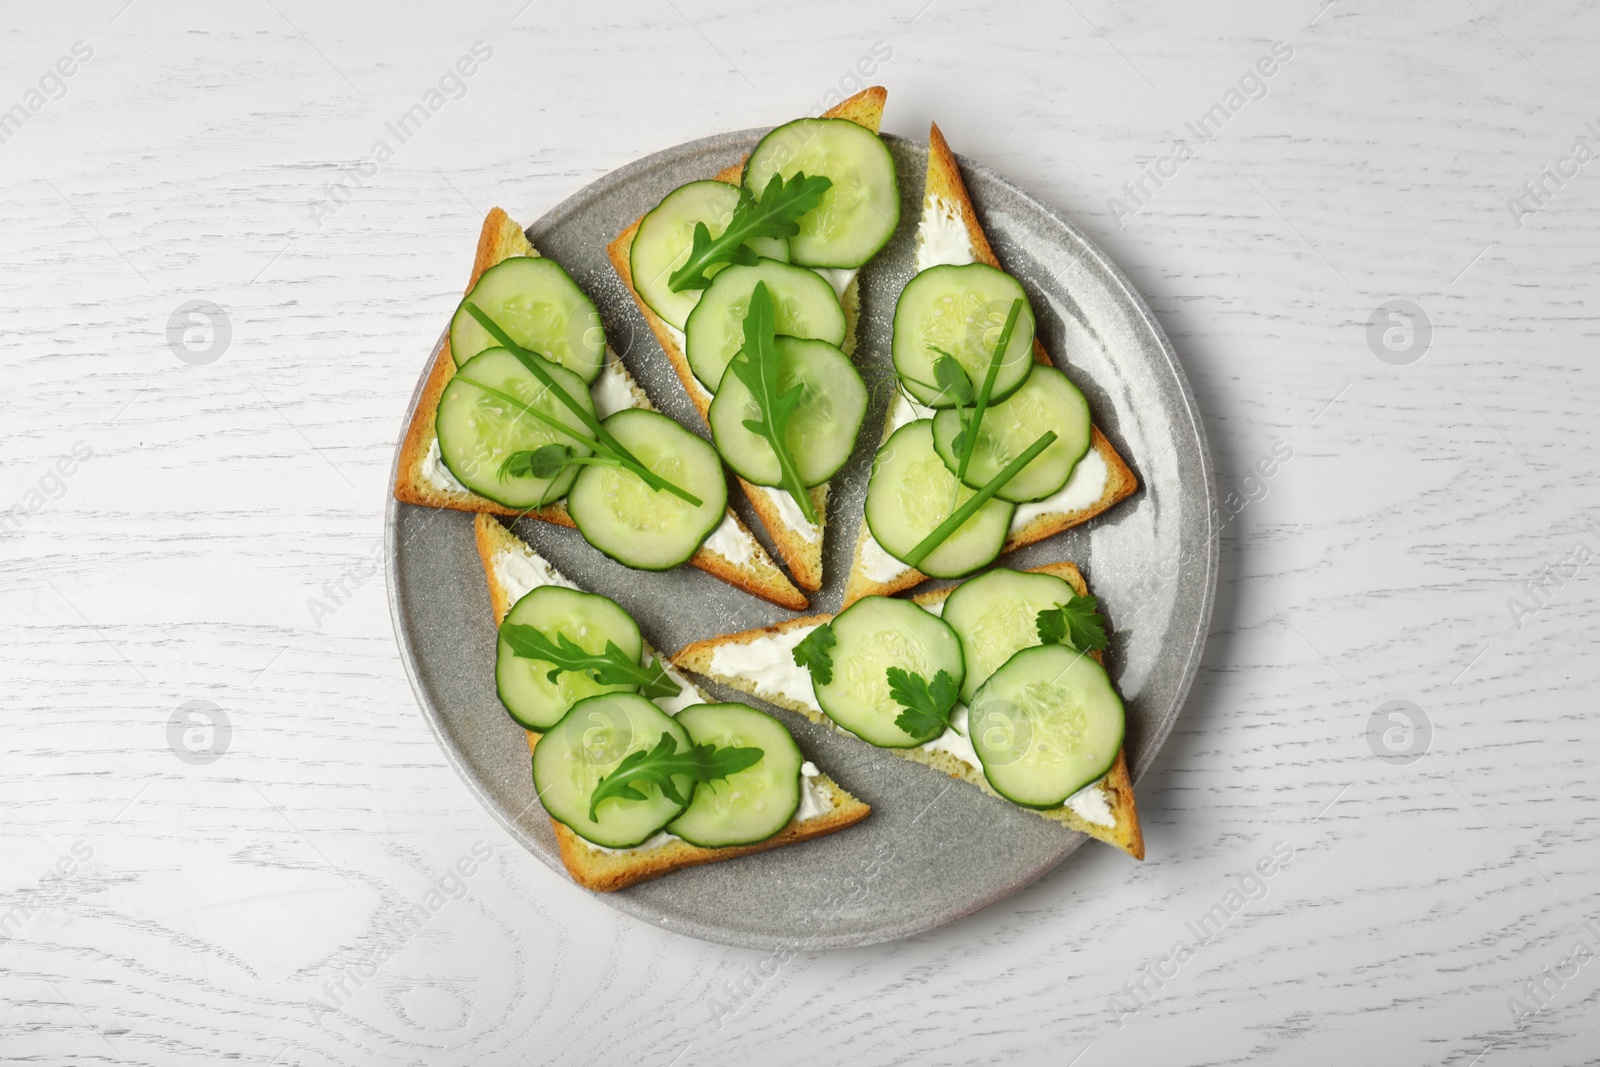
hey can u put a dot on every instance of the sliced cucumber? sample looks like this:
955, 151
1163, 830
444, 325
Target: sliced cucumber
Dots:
911, 492
805, 305
584, 747
1046, 724
590, 621
750, 805
859, 212
483, 419
961, 310
1047, 400
662, 242
870, 636
996, 615
822, 431
636, 525
541, 307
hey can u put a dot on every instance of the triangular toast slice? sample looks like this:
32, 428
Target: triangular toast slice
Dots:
1105, 810
874, 571
505, 556
422, 477
799, 544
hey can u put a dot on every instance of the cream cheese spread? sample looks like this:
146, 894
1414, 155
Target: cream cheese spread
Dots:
688, 695
955, 740
942, 239
658, 841
519, 573
436, 474
768, 662
814, 796
1090, 805
838, 277
1086, 486
789, 512
876, 563
613, 390
732, 542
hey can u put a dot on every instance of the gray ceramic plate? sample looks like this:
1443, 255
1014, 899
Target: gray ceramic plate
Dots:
933, 850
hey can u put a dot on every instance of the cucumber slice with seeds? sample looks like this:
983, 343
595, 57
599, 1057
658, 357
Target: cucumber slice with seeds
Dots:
1047, 400
590, 621
870, 636
1046, 725
911, 492
961, 310
585, 746
543, 310
750, 805
822, 431
859, 212
804, 305
662, 242
996, 615
482, 420
636, 525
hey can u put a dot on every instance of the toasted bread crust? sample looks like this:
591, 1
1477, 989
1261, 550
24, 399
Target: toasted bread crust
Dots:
1125, 833
1120, 484
500, 239
603, 871
803, 557
944, 181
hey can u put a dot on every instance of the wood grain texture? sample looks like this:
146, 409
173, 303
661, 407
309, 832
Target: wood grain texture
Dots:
177, 563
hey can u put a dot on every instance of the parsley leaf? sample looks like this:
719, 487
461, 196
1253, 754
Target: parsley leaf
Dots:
659, 765
927, 706
1077, 623
611, 667
756, 365
812, 654
776, 214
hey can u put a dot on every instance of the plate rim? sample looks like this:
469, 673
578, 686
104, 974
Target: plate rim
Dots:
654, 915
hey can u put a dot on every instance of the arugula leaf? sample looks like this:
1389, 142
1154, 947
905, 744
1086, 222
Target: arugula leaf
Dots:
756, 365
927, 706
603, 441
611, 667
1077, 624
812, 654
659, 765
942, 532
776, 214
968, 442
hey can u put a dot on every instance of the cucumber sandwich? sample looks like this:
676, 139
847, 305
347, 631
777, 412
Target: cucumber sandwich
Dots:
969, 364
999, 681
526, 411
640, 773
815, 200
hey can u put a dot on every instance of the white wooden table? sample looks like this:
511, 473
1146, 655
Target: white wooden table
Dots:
159, 911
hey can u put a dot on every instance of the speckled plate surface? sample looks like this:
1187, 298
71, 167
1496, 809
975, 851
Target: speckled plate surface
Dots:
933, 850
